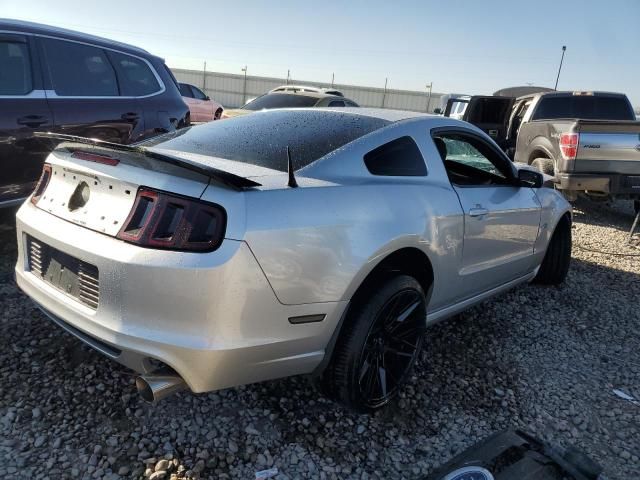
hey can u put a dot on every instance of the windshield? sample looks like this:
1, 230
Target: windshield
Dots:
584, 106
281, 100
262, 138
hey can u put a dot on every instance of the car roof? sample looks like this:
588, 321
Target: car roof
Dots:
41, 29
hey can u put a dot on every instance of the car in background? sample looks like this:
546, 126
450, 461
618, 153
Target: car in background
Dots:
293, 99
286, 242
202, 108
57, 80
306, 88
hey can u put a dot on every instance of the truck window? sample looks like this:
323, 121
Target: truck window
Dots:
591, 107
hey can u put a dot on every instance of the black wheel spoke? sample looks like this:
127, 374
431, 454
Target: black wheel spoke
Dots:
399, 352
382, 372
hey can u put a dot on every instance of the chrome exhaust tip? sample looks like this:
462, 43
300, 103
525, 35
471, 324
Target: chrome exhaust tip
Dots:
156, 386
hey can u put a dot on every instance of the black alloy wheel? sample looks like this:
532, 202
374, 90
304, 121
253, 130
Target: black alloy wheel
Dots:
378, 345
391, 347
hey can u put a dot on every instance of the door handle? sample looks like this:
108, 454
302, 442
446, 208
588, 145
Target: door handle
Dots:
478, 212
32, 120
130, 116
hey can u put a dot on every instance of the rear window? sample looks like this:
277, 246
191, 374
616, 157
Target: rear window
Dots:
591, 107
15, 74
79, 70
281, 100
262, 138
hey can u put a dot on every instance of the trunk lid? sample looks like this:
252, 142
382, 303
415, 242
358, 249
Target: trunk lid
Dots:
100, 196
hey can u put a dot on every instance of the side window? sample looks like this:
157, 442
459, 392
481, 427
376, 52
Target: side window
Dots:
185, 90
350, 103
197, 93
134, 75
336, 103
470, 161
79, 70
400, 157
15, 73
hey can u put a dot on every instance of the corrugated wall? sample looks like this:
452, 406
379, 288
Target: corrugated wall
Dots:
228, 89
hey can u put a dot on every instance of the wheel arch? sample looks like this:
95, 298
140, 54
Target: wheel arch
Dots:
406, 260
539, 152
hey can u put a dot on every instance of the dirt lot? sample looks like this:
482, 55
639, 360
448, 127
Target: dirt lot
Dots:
541, 359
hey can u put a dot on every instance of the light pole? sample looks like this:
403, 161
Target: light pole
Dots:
429, 86
564, 48
384, 93
244, 89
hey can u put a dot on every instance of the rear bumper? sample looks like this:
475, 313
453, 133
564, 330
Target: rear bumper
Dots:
620, 185
213, 318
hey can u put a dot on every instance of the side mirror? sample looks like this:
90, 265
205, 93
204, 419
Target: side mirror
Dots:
530, 178
437, 111
207, 98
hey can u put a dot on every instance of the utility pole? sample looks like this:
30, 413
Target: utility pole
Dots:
204, 77
333, 77
288, 75
564, 48
384, 94
244, 89
430, 87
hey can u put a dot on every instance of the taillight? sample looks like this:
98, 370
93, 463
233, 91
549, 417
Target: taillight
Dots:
167, 221
45, 176
569, 145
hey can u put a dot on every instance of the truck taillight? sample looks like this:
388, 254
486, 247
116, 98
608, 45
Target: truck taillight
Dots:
569, 145
45, 176
172, 222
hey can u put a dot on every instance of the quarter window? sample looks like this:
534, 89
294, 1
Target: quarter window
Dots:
135, 77
400, 157
336, 103
79, 70
15, 73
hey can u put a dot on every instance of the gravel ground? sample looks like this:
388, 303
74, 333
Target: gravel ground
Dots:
539, 358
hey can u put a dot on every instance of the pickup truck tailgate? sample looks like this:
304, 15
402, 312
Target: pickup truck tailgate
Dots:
608, 147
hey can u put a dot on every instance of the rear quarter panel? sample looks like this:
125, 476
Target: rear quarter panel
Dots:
317, 244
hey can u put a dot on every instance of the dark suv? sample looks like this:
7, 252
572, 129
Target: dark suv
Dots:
61, 81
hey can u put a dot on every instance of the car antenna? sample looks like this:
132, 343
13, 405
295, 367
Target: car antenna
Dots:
292, 178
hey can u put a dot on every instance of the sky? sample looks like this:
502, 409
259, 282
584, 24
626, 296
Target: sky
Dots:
462, 46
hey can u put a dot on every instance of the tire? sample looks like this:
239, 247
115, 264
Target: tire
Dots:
385, 330
555, 264
544, 165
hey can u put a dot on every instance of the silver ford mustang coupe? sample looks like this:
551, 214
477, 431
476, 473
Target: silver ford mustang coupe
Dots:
285, 242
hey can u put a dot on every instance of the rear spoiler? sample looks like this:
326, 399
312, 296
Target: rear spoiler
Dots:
234, 181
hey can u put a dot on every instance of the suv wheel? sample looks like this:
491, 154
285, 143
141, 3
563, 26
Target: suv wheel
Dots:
379, 344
